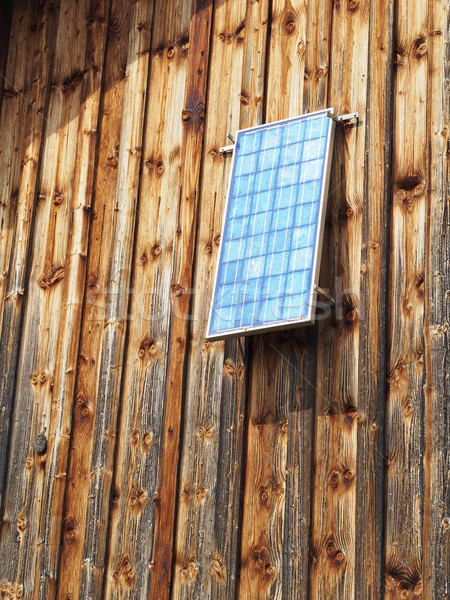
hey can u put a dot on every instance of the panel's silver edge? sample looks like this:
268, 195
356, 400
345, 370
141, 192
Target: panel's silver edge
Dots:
259, 329
224, 219
322, 215
310, 317
274, 123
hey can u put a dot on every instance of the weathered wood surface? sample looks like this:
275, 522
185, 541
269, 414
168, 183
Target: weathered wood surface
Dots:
22, 124
313, 463
373, 305
337, 401
405, 419
436, 540
47, 363
105, 315
5, 27
141, 421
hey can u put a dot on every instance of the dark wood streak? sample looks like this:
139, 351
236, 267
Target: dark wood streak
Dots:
436, 539
373, 301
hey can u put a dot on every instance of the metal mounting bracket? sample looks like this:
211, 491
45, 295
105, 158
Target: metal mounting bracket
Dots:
325, 294
228, 148
341, 118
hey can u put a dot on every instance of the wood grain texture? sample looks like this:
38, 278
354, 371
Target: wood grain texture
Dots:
5, 27
373, 305
405, 424
22, 126
192, 116
142, 410
312, 463
283, 373
105, 311
55, 290
208, 509
334, 510
215, 396
436, 529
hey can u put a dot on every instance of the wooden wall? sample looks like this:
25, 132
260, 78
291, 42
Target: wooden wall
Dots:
138, 460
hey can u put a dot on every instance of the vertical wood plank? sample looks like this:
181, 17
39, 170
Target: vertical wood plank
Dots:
373, 305
337, 405
5, 26
405, 401
193, 115
22, 126
105, 312
208, 515
206, 558
436, 539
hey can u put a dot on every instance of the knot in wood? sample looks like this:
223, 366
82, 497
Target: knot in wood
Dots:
420, 48
156, 250
334, 480
159, 168
177, 290
135, 437
352, 5
21, 523
390, 582
147, 440
113, 161
289, 23
351, 316
58, 198
229, 368
40, 443
263, 496
171, 52
70, 531
217, 567
201, 494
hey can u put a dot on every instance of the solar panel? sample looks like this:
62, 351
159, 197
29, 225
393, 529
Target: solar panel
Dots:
271, 238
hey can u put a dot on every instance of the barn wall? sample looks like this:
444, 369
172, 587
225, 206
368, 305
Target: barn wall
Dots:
138, 460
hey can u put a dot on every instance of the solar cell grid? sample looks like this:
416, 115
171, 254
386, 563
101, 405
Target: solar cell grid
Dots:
270, 236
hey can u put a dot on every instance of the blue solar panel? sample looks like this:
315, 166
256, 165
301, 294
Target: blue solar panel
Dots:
270, 244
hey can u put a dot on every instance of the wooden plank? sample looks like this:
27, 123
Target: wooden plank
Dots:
210, 472
182, 280
47, 362
337, 403
105, 312
22, 128
405, 401
277, 502
436, 528
133, 518
5, 26
373, 306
